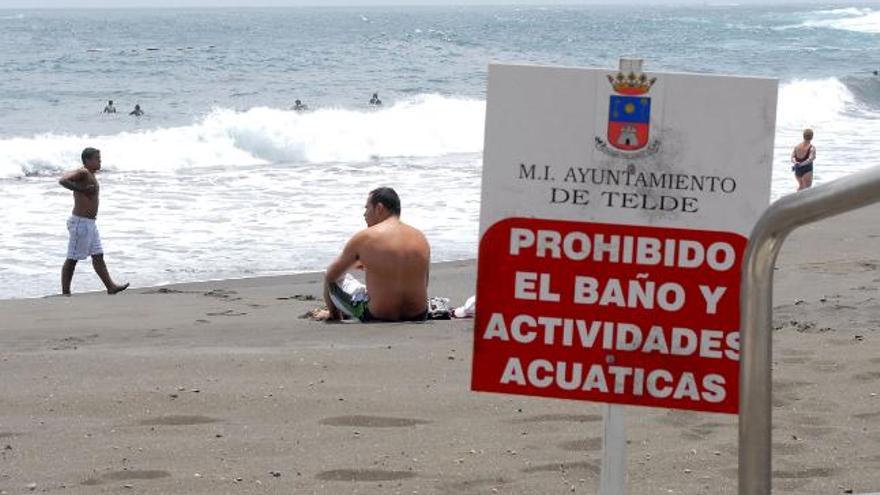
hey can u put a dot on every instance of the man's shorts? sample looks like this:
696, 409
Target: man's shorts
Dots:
84, 238
350, 297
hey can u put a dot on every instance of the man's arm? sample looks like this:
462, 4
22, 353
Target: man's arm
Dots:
336, 270
73, 180
811, 156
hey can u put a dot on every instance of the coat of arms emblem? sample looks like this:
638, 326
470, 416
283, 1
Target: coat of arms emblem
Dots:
629, 113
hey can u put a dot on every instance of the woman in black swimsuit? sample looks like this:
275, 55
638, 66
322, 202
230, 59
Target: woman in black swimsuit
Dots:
802, 157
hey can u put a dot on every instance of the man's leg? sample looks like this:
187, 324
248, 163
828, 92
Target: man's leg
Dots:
333, 312
101, 270
67, 275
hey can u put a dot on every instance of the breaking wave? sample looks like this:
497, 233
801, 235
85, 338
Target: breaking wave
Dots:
425, 126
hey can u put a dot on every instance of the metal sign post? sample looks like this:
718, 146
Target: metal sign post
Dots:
756, 311
612, 477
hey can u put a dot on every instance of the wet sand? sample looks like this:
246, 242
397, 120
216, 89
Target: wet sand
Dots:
221, 387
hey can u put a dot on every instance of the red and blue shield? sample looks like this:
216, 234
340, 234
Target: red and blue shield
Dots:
629, 120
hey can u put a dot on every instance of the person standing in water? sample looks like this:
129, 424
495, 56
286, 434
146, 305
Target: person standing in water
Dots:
84, 238
802, 159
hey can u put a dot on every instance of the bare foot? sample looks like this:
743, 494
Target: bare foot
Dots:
319, 314
117, 289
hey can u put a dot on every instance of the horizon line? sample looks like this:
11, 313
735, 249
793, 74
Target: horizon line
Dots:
431, 3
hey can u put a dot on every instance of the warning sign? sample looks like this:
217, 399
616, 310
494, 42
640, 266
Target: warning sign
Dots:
614, 218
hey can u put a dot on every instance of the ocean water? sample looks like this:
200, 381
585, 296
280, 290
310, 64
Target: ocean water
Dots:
220, 179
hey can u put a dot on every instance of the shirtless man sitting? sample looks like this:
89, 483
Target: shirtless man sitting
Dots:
395, 258
84, 238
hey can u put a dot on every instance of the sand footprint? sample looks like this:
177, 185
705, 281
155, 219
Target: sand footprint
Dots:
785, 392
72, 342
222, 294
178, 420
298, 297
680, 418
779, 448
581, 467
703, 430
875, 415
794, 360
228, 312
795, 352
570, 418
586, 445
164, 290
806, 420
127, 476
785, 480
829, 366
867, 376
476, 485
822, 472
372, 421
368, 475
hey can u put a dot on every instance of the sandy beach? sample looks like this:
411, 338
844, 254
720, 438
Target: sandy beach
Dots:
222, 387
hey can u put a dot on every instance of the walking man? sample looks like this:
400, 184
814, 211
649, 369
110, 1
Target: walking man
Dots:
84, 238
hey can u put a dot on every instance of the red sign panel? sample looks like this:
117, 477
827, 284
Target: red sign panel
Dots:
609, 313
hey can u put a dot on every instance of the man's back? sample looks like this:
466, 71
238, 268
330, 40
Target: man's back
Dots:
396, 260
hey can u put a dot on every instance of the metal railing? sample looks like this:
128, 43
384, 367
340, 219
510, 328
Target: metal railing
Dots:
756, 311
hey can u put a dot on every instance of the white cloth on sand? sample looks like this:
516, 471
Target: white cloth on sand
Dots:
468, 310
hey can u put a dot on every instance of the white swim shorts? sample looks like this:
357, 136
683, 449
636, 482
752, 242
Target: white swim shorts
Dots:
84, 238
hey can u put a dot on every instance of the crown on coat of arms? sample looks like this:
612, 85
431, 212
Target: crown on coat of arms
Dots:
630, 80
631, 84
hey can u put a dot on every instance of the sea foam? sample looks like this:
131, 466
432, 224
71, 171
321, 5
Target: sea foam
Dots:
864, 20
424, 126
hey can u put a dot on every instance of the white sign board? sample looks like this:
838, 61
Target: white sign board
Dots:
615, 210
